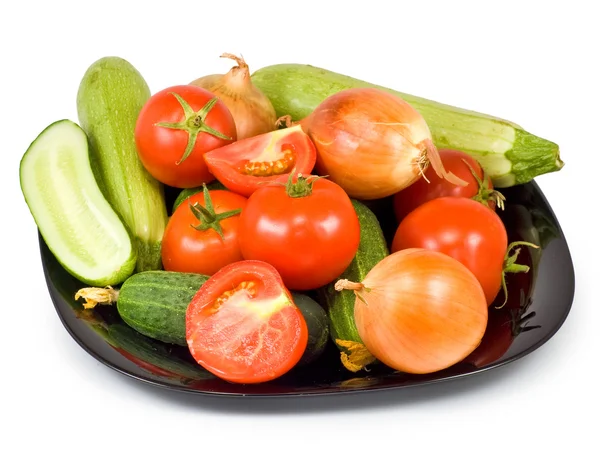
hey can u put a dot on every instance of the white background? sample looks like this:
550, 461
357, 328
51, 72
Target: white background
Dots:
533, 63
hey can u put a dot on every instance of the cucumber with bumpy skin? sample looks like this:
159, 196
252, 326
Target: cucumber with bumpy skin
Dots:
110, 97
340, 305
508, 153
76, 222
154, 304
317, 323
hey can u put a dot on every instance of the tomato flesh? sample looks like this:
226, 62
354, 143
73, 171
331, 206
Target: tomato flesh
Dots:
246, 165
242, 325
464, 229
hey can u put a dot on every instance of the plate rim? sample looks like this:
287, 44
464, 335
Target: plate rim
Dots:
326, 391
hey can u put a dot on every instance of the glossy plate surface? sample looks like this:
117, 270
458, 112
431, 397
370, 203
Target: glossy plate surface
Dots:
539, 303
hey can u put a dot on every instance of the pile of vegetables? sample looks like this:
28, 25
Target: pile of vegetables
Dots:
272, 251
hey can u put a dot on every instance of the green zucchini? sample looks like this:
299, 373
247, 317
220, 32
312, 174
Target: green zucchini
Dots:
110, 97
185, 193
340, 305
508, 153
75, 220
318, 327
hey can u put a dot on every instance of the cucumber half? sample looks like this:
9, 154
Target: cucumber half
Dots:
77, 223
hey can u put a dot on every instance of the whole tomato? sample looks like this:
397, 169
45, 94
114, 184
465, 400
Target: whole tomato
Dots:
308, 230
175, 128
479, 186
464, 229
202, 234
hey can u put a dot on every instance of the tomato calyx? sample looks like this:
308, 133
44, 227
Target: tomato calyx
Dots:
511, 265
302, 187
207, 216
485, 194
193, 123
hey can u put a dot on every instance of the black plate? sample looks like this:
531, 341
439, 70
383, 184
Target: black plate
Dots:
539, 304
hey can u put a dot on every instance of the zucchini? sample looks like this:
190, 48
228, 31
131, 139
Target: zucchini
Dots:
509, 154
110, 97
340, 305
75, 220
317, 324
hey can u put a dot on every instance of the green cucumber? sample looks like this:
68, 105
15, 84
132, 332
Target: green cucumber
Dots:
317, 323
110, 97
154, 356
509, 154
185, 193
340, 305
75, 220
154, 303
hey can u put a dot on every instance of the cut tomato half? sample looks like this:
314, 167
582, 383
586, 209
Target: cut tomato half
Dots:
246, 165
242, 325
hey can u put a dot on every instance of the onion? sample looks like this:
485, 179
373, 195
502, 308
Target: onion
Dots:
372, 143
252, 111
419, 311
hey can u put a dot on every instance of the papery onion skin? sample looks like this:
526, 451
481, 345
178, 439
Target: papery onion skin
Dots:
252, 111
370, 142
424, 311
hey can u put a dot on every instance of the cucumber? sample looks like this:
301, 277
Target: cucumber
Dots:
509, 154
110, 97
75, 220
318, 327
153, 356
340, 305
154, 303
185, 193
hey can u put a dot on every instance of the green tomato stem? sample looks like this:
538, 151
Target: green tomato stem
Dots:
207, 216
193, 123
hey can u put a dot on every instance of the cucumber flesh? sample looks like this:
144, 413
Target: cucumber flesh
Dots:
77, 223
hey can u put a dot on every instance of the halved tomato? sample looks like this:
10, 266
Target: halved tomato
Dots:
246, 165
242, 325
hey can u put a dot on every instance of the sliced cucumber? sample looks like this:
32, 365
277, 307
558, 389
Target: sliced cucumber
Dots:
77, 223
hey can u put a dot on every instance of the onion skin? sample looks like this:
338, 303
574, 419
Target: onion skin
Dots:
252, 111
372, 143
424, 311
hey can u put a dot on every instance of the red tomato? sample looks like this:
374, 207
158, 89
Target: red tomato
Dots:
248, 164
175, 128
464, 229
203, 241
456, 162
310, 239
243, 326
